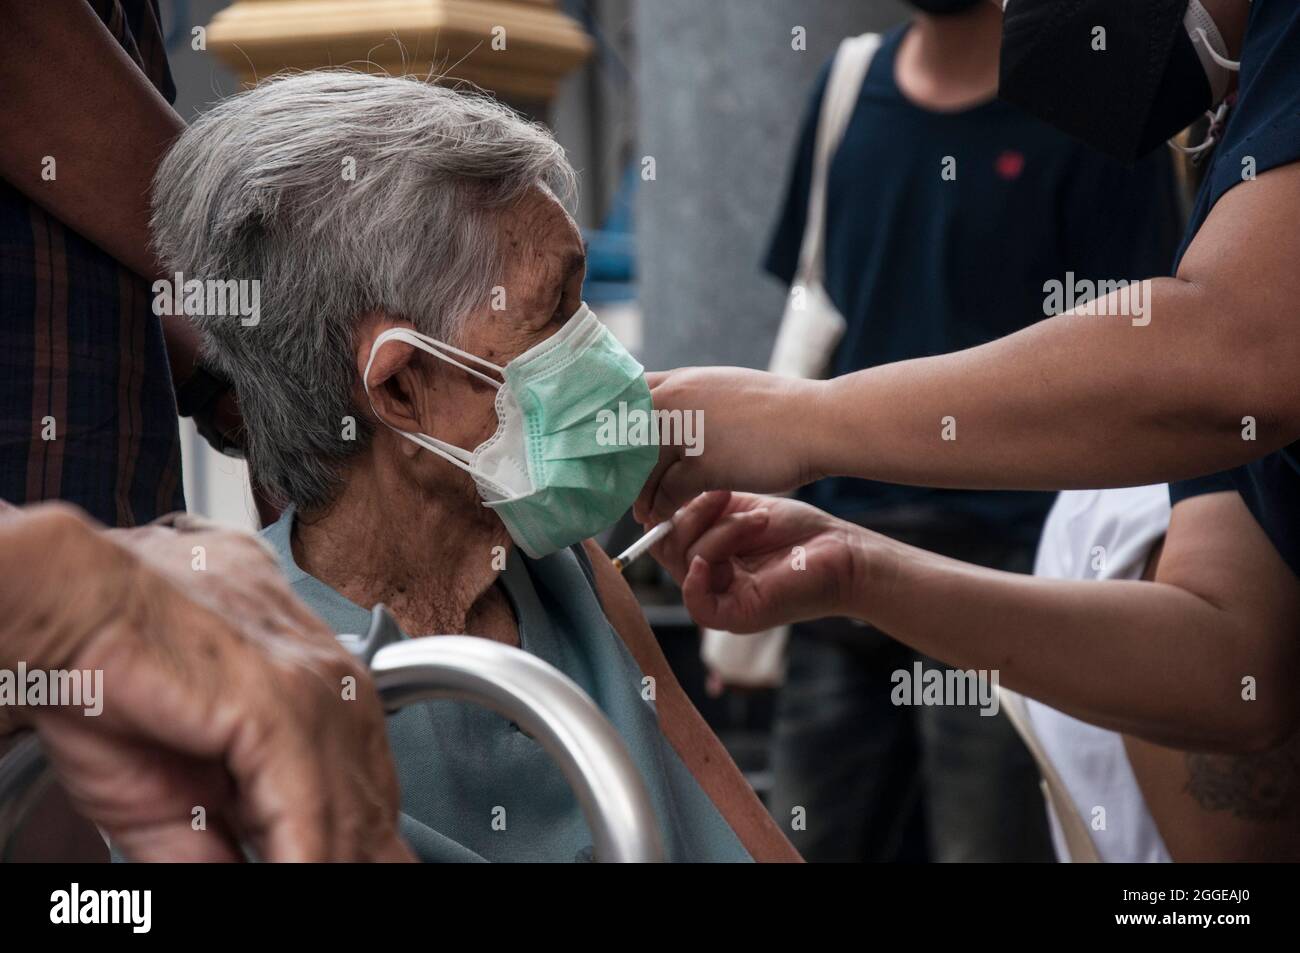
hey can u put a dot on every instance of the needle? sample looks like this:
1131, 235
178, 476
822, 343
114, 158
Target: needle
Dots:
637, 549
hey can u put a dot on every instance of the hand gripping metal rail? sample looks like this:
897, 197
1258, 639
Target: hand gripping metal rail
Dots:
542, 701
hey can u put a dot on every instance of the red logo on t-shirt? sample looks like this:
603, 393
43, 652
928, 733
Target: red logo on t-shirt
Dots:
1010, 164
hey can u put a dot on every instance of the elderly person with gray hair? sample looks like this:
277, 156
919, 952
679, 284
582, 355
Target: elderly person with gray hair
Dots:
420, 389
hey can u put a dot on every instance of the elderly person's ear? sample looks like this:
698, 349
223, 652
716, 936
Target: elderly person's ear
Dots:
389, 375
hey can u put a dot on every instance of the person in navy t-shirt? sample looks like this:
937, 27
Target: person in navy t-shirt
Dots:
940, 200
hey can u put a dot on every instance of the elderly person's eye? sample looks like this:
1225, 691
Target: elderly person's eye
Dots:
571, 287
564, 310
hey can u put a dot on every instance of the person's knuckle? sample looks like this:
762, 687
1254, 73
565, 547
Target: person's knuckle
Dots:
366, 815
63, 522
327, 671
315, 814
300, 681
336, 662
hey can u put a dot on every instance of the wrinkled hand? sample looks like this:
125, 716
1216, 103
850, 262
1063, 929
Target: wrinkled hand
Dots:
759, 434
746, 563
221, 692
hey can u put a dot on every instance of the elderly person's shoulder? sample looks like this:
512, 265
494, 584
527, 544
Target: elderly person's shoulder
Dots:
451, 756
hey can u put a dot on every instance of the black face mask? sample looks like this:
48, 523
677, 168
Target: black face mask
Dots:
944, 7
1146, 86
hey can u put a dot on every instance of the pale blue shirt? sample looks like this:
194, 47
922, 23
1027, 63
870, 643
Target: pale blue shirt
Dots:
461, 766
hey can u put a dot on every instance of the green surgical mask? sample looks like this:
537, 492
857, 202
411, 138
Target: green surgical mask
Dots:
549, 472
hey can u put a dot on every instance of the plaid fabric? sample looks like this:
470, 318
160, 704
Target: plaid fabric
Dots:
87, 412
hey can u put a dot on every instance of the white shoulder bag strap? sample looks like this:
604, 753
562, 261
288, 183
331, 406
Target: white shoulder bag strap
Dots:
810, 330
1073, 826
843, 86
811, 326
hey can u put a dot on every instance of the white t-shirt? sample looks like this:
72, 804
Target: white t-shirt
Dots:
1099, 534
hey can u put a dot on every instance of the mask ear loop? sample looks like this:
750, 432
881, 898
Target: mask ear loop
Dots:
457, 456
437, 348
1216, 115
1211, 134
1231, 65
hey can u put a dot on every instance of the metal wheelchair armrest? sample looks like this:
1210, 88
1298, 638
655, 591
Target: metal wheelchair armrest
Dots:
541, 700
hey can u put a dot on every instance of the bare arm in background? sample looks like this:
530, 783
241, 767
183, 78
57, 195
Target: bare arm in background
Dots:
73, 94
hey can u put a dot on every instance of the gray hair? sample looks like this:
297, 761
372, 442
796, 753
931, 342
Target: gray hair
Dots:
256, 189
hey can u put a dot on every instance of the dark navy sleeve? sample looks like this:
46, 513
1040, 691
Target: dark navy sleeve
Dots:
1214, 483
783, 250
1123, 222
1263, 133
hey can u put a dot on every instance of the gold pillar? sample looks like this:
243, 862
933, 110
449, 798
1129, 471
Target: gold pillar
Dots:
518, 49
